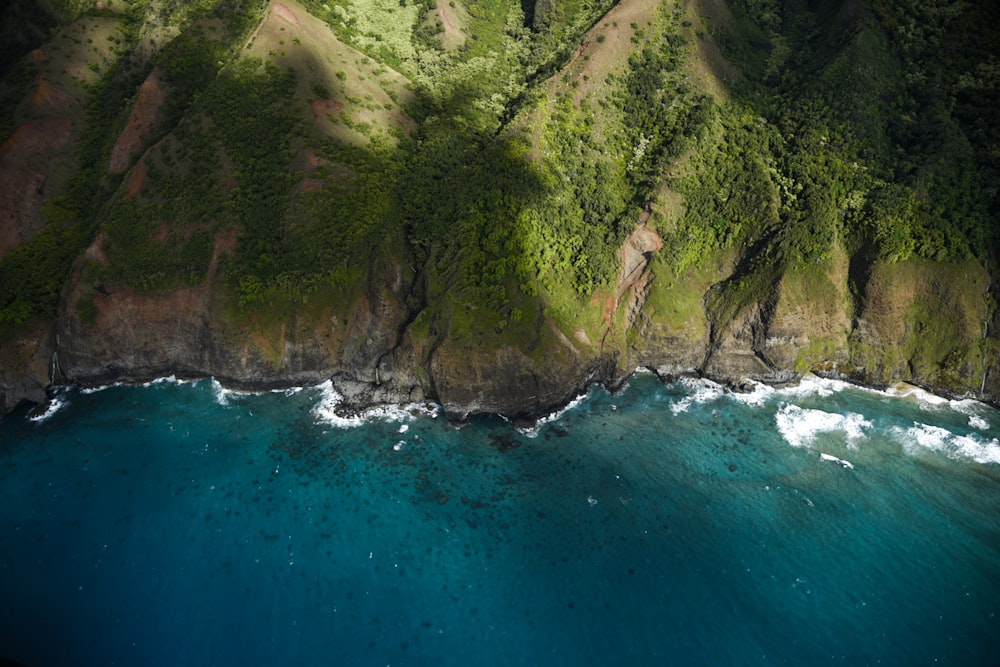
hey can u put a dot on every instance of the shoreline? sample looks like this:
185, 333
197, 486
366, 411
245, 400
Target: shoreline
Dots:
339, 408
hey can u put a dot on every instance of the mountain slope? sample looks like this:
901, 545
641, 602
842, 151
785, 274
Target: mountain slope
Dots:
490, 209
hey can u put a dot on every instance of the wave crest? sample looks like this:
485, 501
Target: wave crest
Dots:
954, 446
801, 426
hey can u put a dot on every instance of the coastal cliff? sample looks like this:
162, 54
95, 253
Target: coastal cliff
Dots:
490, 211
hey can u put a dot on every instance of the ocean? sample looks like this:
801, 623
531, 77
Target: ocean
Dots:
182, 524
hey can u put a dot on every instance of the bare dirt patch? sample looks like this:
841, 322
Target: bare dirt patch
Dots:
49, 99
607, 46
308, 184
225, 243
323, 108
283, 12
453, 17
142, 123
95, 251
136, 179
24, 185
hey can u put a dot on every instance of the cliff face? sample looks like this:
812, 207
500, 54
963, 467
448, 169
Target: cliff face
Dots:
26, 362
274, 199
929, 323
921, 322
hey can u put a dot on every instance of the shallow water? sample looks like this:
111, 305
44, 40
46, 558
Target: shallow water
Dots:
181, 524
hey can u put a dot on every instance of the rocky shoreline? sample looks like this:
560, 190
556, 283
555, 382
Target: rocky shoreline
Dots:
358, 399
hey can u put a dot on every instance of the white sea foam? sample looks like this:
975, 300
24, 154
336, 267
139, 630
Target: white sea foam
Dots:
55, 404
914, 393
813, 385
935, 438
99, 388
975, 421
971, 409
167, 379
756, 397
831, 457
800, 426
533, 431
326, 410
223, 395
699, 390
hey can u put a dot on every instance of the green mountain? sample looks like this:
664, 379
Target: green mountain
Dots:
490, 203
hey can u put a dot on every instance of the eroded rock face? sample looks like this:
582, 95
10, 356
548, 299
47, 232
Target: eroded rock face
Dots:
926, 322
136, 337
920, 321
736, 352
25, 367
372, 357
109, 332
507, 381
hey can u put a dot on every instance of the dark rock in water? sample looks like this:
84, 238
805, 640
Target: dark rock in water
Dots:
740, 386
503, 443
39, 409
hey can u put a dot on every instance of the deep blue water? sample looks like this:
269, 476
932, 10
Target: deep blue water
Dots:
175, 524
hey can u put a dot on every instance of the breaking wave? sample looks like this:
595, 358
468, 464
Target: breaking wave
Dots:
800, 426
534, 430
954, 446
330, 399
55, 404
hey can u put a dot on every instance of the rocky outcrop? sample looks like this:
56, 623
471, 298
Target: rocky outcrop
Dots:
509, 381
927, 322
27, 364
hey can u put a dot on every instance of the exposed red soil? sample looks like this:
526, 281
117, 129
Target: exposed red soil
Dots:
406, 123
225, 242
310, 185
445, 23
50, 99
24, 185
285, 14
162, 233
136, 178
322, 108
141, 125
95, 251
314, 160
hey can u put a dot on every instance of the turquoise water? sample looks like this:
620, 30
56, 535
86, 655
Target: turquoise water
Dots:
177, 524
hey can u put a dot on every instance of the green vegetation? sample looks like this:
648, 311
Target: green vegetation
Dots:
502, 152
872, 152
32, 274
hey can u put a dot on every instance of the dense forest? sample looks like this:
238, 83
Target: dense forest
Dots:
500, 154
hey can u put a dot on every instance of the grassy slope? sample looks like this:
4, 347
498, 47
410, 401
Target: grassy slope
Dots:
505, 166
